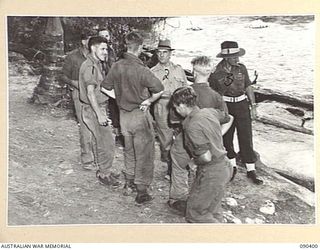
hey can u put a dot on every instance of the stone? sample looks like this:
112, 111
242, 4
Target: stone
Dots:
231, 202
268, 208
238, 196
230, 218
258, 221
254, 221
249, 221
69, 171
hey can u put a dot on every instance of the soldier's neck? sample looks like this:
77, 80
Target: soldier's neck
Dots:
165, 65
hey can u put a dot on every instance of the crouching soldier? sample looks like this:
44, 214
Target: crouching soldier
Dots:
206, 98
203, 140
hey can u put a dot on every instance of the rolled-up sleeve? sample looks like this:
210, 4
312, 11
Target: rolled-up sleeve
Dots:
222, 116
247, 81
196, 141
89, 76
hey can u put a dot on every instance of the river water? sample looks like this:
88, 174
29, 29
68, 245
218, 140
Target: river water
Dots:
280, 49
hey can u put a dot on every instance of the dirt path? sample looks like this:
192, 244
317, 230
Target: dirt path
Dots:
48, 186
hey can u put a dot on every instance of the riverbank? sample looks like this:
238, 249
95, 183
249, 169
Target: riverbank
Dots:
47, 186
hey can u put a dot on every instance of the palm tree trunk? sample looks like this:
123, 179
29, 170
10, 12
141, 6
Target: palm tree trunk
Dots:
49, 89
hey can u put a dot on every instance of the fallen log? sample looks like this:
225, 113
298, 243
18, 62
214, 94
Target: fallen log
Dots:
280, 124
268, 94
300, 180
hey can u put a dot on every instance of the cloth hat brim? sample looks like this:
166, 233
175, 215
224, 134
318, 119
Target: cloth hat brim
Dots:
238, 54
162, 47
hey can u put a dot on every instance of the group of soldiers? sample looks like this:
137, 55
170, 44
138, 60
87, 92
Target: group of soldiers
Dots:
195, 123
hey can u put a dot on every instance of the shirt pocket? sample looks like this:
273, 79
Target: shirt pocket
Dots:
239, 76
179, 81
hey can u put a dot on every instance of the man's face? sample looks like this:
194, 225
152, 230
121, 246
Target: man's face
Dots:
100, 51
105, 34
84, 43
203, 71
181, 109
164, 55
233, 60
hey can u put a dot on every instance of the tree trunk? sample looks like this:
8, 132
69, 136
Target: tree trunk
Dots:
49, 89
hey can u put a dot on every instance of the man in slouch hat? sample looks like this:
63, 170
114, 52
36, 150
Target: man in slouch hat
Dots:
232, 81
172, 77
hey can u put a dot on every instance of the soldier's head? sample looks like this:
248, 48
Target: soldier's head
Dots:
202, 68
184, 100
163, 51
84, 37
134, 42
104, 33
98, 47
231, 52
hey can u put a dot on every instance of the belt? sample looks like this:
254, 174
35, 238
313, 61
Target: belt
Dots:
234, 98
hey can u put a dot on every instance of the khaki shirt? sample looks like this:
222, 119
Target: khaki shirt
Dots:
91, 74
230, 83
132, 82
172, 77
202, 132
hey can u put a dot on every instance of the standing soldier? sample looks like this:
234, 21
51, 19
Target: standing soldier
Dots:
94, 113
206, 98
133, 82
70, 76
231, 80
172, 77
112, 104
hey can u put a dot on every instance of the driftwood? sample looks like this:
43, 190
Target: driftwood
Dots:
267, 94
280, 124
300, 180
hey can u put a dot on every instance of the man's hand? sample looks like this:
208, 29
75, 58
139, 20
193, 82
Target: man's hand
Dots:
253, 111
75, 84
145, 105
103, 120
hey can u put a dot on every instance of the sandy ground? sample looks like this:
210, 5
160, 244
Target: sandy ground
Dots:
46, 184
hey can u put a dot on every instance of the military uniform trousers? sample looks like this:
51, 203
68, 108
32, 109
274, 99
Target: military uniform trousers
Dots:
204, 202
137, 129
179, 187
104, 141
86, 147
242, 122
165, 134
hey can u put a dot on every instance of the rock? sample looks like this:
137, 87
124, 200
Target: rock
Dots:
230, 218
147, 210
268, 208
46, 214
69, 171
258, 221
64, 165
249, 221
254, 221
238, 196
231, 202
